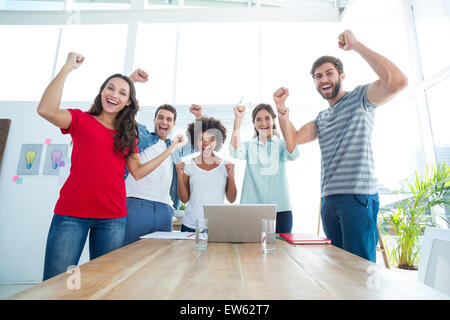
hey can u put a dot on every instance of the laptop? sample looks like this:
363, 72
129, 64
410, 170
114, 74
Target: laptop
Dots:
237, 222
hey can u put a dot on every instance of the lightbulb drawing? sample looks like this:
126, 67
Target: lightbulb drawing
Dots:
29, 158
56, 158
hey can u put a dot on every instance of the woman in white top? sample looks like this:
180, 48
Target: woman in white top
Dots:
205, 179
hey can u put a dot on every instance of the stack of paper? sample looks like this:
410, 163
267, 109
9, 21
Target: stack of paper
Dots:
177, 235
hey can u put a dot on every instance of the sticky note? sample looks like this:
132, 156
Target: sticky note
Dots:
61, 163
15, 178
48, 141
19, 180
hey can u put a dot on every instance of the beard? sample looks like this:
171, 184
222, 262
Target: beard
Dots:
336, 86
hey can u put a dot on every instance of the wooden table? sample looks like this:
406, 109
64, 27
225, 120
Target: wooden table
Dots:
173, 269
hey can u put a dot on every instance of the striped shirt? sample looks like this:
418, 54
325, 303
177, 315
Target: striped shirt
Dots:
345, 131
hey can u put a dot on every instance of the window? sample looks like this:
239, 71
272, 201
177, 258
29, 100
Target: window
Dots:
156, 53
26, 61
217, 63
103, 47
437, 98
433, 30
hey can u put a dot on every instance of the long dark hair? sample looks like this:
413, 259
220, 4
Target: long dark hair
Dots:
125, 124
268, 108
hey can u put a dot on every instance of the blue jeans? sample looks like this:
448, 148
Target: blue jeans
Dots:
67, 236
350, 222
144, 217
283, 223
186, 229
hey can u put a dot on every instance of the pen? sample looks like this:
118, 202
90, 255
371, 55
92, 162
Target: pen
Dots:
190, 235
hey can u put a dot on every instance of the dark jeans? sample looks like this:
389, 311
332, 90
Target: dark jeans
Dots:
350, 222
284, 222
144, 217
67, 236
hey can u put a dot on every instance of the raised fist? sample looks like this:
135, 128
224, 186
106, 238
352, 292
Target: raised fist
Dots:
139, 75
347, 40
74, 60
196, 110
280, 96
178, 141
283, 113
239, 112
180, 167
230, 169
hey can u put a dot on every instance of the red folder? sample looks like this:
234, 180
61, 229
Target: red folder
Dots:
303, 238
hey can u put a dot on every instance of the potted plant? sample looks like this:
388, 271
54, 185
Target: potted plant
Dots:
412, 215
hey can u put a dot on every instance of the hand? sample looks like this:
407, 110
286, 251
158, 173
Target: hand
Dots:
196, 110
280, 96
74, 60
239, 112
178, 142
180, 168
347, 40
283, 113
139, 75
230, 169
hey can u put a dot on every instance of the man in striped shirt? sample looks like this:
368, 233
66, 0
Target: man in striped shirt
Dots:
349, 198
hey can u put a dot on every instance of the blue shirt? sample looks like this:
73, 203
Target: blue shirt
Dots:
147, 139
265, 180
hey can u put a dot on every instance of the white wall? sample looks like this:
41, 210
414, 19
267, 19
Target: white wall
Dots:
26, 209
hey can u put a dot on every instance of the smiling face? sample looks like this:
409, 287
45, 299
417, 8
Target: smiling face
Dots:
328, 81
263, 123
164, 122
115, 96
206, 143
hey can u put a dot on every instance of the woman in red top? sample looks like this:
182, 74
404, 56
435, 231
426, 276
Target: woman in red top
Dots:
93, 199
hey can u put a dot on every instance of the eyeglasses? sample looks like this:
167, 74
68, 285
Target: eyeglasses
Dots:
329, 73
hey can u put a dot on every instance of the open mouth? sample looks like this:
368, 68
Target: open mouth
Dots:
163, 130
111, 103
327, 88
206, 149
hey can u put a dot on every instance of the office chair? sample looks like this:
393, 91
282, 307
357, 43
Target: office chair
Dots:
434, 259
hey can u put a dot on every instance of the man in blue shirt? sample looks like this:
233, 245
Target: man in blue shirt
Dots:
150, 200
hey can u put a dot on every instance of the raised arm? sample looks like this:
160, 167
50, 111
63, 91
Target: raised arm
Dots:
391, 80
139, 170
239, 112
183, 183
231, 190
48, 107
292, 137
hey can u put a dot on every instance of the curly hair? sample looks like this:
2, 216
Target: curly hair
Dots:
207, 124
127, 136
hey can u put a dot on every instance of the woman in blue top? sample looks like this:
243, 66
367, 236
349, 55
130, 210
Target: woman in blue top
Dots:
265, 180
